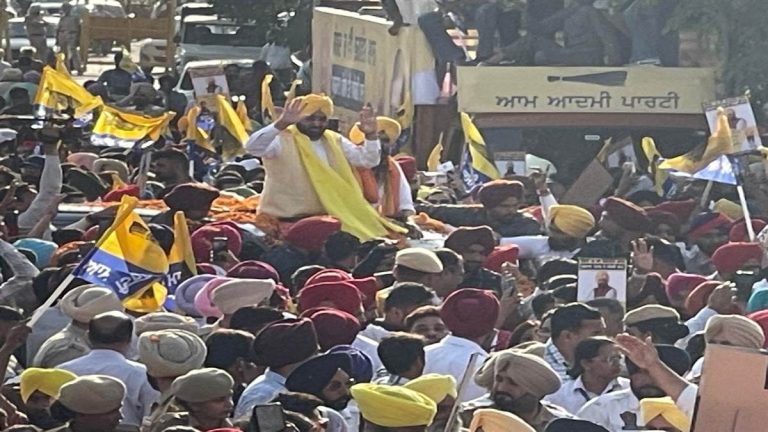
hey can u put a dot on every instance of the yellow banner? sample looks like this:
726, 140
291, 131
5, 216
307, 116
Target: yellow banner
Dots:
118, 128
642, 90
356, 61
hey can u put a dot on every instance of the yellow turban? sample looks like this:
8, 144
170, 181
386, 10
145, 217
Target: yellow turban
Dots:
315, 102
653, 407
47, 381
435, 386
390, 127
391, 406
572, 220
739, 330
491, 420
729, 208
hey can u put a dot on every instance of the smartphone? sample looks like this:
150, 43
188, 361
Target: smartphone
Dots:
219, 245
269, 417
744, 279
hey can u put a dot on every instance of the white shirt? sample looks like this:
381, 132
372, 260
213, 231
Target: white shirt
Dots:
260, 391
696, 324
606, 410
450, 356
573, 395
52, 321
139, 395
369, 347
266, 143
374, 333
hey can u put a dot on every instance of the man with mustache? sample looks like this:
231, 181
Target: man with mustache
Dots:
327, 376
474, 244
517, 382
621, 410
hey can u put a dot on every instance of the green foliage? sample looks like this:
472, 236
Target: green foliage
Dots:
739, 31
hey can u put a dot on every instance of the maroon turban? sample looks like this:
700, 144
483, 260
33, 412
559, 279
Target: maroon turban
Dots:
464, 237
254, 270
202, 240
470, 313
310, 233
328, 275
680, 285
493, 193
338, 295
118, 194
738, 231
334, 327
681, 209
408, 165
627, 215
730, 257
285, 342
500, 255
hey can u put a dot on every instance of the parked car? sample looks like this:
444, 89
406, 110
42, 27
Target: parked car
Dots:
152, 54
201, 38
17, 32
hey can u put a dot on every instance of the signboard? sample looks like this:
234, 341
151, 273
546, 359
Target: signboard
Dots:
510, 163
356, 61
732, 398
741, 119
602, 278
207, 83
642, 90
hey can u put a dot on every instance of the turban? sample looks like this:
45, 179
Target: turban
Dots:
334, 327
338, 295
627, 215
202, 385
408, 166
672, 356
464, 237
573, 425
171, 353
186, 292
202, 240
310, 233
209, 269
106, 164
328, 275
501, 255
368, 287
740, 331
43, 250
530, 372
392, 406
658, 217
157, 321
390, 127
313, 103
698, 298
92, 394
705, 223
435, 386
491, 420
419, 259
46, 381
572, 220
650, 312
665, 407
316, 373
680, 285
761, 318
362, 365
83, 159
681, 209
738, 231
191, 196
236, 293
728, 208
730, 257
494, 192
470, 313
758, 300
204, 303
117, 195
86, 301
254, 270
269, 348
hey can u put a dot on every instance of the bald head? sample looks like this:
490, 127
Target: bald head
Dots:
110, 329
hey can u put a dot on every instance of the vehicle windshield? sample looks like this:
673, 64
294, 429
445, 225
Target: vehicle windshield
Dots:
19, 30
221, 34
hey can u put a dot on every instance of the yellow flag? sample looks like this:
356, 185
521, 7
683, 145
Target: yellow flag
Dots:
116, 128
242, 114
61, 64
404, 114
267, 103
720, 143
117, 182
181, 260
291, 95
229, 121
654, 158
193, 132
433, 161
58, 91
481, 162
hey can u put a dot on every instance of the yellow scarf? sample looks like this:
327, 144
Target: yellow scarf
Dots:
338, 190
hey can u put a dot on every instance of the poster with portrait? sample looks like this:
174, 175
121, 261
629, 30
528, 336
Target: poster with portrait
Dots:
207, 83
600, 277
741, 119
510, 163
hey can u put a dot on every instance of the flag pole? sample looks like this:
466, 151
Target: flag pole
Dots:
705, 195
50, 300
737, 169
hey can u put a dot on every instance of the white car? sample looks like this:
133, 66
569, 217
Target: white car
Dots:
152, 54
184, 86
17, 31
202, 38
